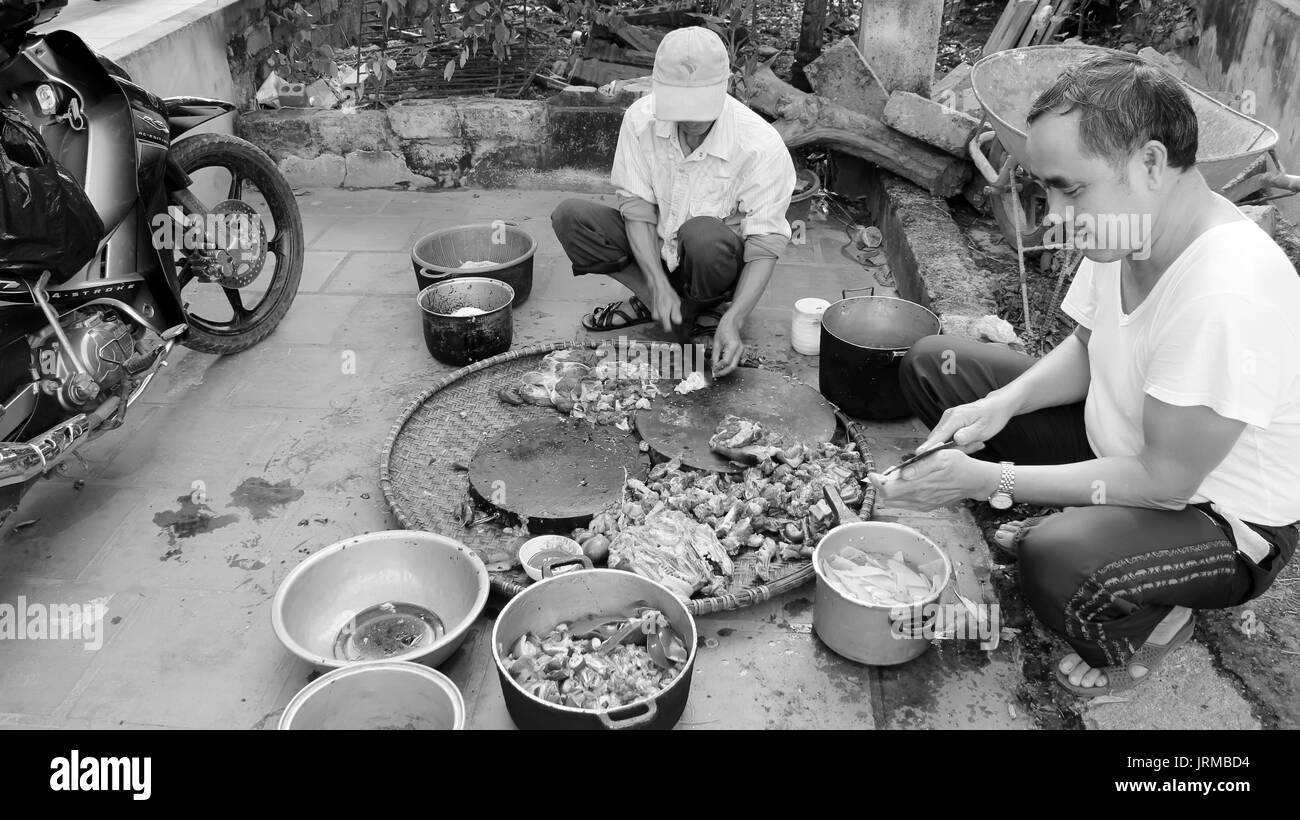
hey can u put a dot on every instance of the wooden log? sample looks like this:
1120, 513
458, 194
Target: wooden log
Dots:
802, 119
1060, 15
670, 15
1010, 26
612, 53
812, 31
1037, 25
598, 73
639, 38
999, 33
1004, 20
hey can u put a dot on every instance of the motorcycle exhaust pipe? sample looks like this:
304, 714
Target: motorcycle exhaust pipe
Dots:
21, 462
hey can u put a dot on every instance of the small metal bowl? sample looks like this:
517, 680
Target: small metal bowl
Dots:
390, 595
533, 546
381, 695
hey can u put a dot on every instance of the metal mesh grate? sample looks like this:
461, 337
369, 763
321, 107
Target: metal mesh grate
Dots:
481, 74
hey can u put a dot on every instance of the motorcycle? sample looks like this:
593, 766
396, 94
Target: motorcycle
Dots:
78, 348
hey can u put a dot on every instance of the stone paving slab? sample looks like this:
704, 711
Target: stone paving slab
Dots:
189, 660
37, 677
345, 234
60, 546
375, 274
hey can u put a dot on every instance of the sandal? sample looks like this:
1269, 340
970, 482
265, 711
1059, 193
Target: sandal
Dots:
1119, 679
603, 318
706, 323
1013, 548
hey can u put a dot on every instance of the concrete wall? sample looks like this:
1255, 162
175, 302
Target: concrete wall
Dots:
190, 63
436, 144
1253, 46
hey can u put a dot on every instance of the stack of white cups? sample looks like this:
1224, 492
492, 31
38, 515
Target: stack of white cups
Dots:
806, 326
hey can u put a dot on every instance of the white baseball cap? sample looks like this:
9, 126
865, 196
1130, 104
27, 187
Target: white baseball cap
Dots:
690, 76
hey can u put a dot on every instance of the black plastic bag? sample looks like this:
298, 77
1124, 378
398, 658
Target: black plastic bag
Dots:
46, 220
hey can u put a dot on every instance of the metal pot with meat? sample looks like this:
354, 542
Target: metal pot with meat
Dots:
595, 649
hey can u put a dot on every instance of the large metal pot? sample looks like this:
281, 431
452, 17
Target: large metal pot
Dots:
870, 633
464, 340
862, 340
564, 598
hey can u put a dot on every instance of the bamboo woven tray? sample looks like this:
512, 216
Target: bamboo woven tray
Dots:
445, 424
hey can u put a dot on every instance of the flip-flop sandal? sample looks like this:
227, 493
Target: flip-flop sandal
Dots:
603, 318
1118, 678
706, 324
1013, 549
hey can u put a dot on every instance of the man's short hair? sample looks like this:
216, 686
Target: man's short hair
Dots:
1124, 101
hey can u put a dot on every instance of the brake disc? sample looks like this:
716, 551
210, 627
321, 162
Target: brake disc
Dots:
243, 248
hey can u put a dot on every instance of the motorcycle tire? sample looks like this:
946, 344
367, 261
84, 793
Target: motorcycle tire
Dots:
252, 163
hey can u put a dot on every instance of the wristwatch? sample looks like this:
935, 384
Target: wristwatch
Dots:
1002, 497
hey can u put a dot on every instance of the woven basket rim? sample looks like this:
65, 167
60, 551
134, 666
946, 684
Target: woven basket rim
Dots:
510, 588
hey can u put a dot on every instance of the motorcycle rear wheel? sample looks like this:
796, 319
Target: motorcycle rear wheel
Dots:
244, 161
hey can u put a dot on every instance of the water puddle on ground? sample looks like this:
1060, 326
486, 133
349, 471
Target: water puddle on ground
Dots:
190, 520
260, 497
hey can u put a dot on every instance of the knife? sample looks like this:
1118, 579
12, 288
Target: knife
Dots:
912, 459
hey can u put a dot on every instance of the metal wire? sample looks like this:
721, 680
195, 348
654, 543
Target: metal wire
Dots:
481, 74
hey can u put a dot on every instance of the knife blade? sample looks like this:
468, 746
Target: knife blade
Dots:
912, 459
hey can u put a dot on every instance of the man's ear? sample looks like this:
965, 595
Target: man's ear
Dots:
1154, 159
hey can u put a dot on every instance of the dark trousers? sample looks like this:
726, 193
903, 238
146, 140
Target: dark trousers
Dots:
1101, 576
711, 256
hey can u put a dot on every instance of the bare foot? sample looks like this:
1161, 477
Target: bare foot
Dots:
1006, 534
1081, 674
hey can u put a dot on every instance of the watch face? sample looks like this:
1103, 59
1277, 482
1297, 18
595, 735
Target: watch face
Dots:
1000, 501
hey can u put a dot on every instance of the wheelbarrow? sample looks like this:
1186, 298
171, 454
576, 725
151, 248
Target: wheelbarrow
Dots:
1234, 153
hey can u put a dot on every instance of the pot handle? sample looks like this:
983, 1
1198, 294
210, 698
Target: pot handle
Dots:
549, 564
912, 622
651, 712
884, 358
434, 274
844, 294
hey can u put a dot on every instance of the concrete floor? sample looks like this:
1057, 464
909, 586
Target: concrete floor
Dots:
188, 639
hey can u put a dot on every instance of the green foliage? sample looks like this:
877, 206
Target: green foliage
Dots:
306, 38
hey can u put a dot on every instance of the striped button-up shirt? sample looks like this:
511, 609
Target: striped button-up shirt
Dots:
742, 174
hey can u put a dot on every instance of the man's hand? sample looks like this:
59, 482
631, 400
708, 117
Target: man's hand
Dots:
936, 481
727, 346
971, 424
667, 307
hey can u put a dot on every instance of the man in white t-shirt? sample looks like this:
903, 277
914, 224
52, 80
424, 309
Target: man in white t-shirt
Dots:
1167, 425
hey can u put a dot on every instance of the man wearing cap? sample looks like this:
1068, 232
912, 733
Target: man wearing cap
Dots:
703, 186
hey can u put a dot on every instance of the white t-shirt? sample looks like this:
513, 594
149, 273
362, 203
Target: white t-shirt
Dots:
1221, 328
